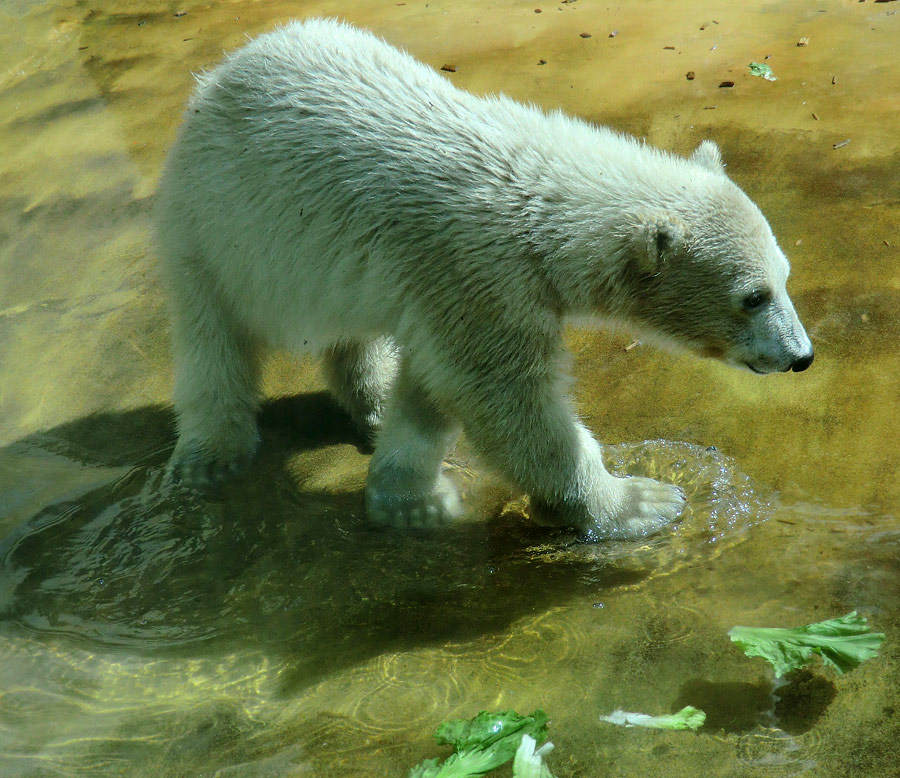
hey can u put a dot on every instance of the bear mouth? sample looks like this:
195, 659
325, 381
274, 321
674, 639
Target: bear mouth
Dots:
755, 370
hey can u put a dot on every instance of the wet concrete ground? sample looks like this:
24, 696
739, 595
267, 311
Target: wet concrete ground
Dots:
271, 631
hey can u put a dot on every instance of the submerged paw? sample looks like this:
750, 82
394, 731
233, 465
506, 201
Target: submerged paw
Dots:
200, 467
641, 507
654, 499
436, 507
647, 507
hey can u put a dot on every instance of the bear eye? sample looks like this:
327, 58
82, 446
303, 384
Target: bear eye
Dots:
662, 243
756, 299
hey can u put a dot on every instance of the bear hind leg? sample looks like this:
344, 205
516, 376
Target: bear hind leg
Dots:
216, 384
406, 486
360, 376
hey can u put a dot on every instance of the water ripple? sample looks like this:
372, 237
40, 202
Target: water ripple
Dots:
722, 504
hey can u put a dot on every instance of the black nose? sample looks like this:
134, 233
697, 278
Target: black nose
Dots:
801, 364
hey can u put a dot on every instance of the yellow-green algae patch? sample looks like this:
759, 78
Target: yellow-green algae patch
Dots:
270, 631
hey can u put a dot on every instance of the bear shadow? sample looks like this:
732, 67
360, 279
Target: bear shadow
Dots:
794, 704
732, 706
98, 548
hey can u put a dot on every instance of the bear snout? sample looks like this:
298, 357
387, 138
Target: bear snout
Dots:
799, 365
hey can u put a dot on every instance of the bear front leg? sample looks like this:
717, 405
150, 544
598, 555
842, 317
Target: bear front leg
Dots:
531, 434
405, 485
216, 377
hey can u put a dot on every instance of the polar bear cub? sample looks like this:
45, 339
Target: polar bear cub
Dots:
329, 192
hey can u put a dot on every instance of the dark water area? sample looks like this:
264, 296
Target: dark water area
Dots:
269, 629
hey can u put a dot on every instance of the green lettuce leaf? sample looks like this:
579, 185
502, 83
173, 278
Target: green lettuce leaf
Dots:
482, 743
486, 729
843, 643
762, 70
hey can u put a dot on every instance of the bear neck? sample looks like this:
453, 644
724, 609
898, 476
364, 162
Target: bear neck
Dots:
577, 224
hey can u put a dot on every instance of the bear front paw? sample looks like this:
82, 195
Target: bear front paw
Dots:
394, 507
197, 466
627, 509
645, 507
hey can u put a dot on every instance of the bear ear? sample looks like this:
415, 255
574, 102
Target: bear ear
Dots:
656, 239
707, 155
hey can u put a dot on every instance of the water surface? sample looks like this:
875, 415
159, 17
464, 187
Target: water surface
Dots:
270, 631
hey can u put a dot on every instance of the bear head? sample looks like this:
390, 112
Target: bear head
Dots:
706, 273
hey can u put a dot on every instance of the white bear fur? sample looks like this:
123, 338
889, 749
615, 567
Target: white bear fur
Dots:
328, 192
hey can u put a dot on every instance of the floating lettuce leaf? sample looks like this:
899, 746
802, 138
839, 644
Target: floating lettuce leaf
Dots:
483, 743
486, 729
762, 70
687, 718
842, 643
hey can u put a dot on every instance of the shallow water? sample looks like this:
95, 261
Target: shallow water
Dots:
270, 631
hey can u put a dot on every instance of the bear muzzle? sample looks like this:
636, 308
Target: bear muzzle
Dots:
799, 365
782, 344
795, 362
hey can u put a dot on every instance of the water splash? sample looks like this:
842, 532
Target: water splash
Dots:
723, 503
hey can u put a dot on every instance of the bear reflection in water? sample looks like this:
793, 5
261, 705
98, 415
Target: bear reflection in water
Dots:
329, 192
